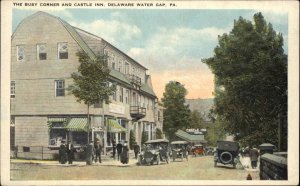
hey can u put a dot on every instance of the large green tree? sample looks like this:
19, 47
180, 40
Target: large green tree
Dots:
91, 83
176, 113
250, 70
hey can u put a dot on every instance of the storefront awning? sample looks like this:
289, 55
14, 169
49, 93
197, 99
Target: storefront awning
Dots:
114, 127
56, 120
78, 125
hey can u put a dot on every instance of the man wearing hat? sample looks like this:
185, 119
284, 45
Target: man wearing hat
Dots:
62, 153
98, 149
70, 152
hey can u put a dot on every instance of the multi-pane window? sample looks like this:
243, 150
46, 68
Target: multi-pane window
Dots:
113, 65
126, 68
41, 51
127, 97
20, 53
62, 50
59, 88
12, 89
121, 94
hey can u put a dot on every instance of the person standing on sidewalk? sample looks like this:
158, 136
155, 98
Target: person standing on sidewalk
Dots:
136, 149
119, 149
98, 150
62, 153
70, 152
253, 153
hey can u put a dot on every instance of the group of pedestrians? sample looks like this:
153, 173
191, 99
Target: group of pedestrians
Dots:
66, 153
250, 155
93, 152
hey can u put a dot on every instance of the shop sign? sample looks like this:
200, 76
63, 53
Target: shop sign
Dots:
118, 109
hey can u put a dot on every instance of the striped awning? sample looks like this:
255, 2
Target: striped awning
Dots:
114, 127
78, 125
56, 119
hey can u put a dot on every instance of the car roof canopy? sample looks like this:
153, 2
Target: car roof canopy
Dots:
179, 142
157, 141
228, 145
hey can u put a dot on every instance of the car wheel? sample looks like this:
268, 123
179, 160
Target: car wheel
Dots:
226, 157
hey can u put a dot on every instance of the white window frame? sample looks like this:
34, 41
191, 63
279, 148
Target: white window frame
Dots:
12, 89
59, 88
38, 51
18, 50
58, 50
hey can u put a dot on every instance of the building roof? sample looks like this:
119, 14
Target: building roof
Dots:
189, 137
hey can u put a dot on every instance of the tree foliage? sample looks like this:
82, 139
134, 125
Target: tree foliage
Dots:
176, 113
250, 70
91, 83
196, 120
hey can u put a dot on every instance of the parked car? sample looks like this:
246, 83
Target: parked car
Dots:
154, 151
198, 150
227, 152
179, 150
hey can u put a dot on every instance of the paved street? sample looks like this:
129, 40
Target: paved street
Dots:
197, 168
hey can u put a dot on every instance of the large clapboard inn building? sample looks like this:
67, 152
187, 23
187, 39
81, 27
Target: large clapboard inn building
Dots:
43, 113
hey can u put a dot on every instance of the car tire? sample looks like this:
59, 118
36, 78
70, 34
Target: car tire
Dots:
226, 154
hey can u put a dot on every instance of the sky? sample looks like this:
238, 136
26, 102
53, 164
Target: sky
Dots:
170, 43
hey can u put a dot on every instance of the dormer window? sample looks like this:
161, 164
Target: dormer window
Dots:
20, 53
41, 52
62, 50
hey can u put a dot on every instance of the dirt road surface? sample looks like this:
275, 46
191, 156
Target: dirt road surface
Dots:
196, 168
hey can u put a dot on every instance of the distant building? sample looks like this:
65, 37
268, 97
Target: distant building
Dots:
43, 113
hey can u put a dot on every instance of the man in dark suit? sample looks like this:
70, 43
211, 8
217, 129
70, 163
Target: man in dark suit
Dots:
136, 149
119, 149
70, 152
98, 149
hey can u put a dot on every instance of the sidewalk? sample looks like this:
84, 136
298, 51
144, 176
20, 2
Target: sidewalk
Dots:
106, 161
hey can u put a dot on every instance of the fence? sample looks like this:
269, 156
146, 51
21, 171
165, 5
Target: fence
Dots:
40, 153
273, 167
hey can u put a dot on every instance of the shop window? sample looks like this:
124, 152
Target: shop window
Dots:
20, 53
41, 52
12, 89
57, 134
59, 88
62, 50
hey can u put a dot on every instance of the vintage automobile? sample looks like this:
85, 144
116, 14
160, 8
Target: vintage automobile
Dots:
179, 150
227, 152
198, 150
154, 151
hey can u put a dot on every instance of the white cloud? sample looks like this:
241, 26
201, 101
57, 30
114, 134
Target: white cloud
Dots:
177, 48
113, 31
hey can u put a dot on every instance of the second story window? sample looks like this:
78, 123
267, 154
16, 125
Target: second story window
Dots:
62, 50
12, 89
41, 52
126, 68
59, 88
20, 53
113, 65
121, 94
127, 97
